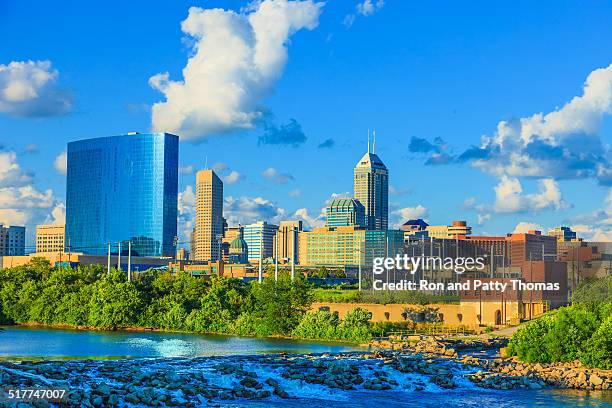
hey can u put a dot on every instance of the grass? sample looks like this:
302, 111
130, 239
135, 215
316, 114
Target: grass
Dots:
379, 297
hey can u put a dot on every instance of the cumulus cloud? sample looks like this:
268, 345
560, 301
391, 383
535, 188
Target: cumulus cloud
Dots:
279, 178
58, 214
11, 173
30, 89
561, 144
364, 8
290, 134
235, 62
509, 197
523, 227
410, 213
596, 225
61, 163
312, 221
186, 213
232, 178
295, 193
247, 210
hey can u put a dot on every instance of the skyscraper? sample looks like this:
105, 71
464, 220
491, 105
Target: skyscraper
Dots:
209, 216
259, 237
371, 188
343, 212
123, 188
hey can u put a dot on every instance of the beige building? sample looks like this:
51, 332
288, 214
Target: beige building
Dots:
50, 238
288, 246
208, 231
456, 229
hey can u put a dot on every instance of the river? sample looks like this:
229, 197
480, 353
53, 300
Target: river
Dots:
218, 365
49, 343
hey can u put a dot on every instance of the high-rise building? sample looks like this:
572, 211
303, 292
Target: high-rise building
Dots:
123, 188
50, 238
208, 234
288, 247
345, 212
12, 240
371, 188
259, 237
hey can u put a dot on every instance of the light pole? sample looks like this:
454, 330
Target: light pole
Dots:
260, 277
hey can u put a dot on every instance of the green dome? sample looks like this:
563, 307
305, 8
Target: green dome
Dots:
238, 245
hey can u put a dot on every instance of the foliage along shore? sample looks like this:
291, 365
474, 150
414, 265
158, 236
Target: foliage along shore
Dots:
88, 297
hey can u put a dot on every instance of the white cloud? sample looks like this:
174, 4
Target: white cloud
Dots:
279, 178
246, 210
11, 173
232, 178
313, 222
237, 58
186, 213
560, 144
30, 89
61, 163
220, 167
524, 227
509, 197
364, 8
369, 7
295, 193
412, 212
482, 218
186, 169
58, 214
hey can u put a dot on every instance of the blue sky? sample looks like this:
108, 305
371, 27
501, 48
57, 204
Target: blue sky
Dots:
416, 72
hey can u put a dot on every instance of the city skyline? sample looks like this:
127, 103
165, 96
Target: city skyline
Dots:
550, 169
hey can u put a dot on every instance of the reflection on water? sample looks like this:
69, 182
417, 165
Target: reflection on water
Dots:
43, 342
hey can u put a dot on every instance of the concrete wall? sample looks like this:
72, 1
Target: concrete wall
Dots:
463, 314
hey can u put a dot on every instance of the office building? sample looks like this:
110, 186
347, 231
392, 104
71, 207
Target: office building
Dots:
414, 229
532, 246
348, 246
12, 240
456, 229
123, 188
288, 246
563, 234
371, 188
259, 237
50, 238
208, 235
345, 212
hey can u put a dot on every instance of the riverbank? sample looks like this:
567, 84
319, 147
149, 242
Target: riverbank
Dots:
269, 380
500, 372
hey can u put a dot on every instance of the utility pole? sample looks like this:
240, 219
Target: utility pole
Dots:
108, 268
276, 257
129, 268
119, 257
260, 277
293, 231
492, 260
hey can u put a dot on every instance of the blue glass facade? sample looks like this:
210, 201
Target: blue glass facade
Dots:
123, 188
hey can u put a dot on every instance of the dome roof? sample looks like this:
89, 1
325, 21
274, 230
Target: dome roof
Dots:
238, 245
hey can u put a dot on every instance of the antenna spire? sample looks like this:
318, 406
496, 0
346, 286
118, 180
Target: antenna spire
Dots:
374, 144
368, 140
206, 163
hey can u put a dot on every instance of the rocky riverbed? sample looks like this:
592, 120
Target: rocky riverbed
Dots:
501, 373
273, 378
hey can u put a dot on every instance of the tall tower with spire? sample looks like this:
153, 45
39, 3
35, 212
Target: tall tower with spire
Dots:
371, 188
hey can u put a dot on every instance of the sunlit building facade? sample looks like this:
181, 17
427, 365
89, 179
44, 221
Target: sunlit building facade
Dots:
123, 189
371, 188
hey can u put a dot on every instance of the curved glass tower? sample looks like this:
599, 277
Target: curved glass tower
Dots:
123, 188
